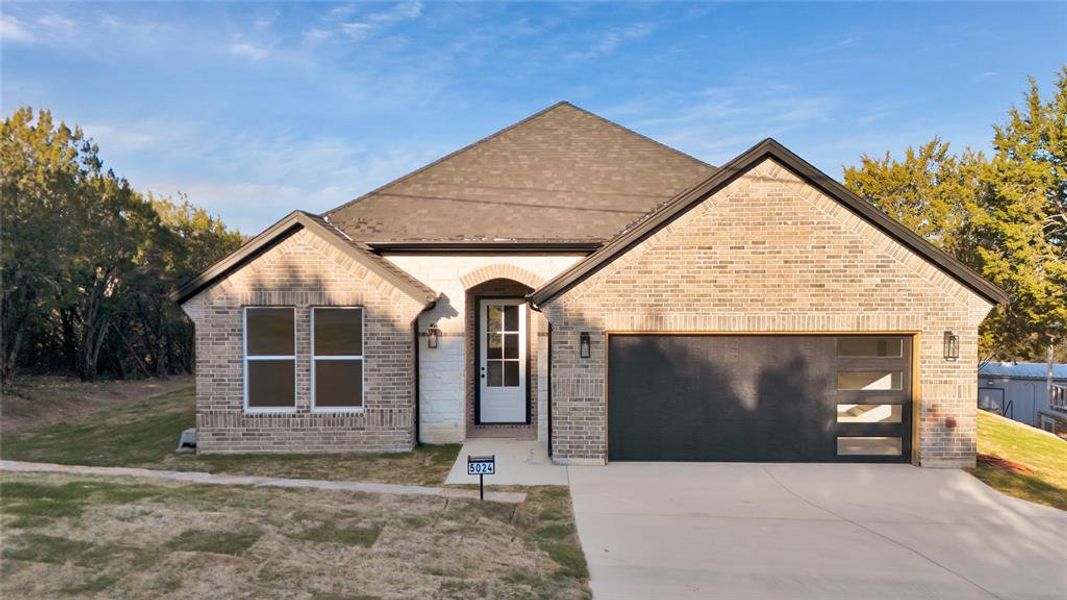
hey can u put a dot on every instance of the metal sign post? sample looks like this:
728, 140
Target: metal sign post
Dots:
481, 466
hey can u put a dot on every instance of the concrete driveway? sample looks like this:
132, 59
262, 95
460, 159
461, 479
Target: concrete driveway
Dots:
671, 530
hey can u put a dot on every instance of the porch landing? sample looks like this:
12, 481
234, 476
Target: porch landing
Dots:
518, 462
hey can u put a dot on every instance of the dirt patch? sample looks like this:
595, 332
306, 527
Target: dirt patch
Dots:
38, 400
1003, 463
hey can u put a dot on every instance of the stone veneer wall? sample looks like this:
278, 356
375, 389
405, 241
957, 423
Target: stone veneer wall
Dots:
444, 383
304, 271
768, 253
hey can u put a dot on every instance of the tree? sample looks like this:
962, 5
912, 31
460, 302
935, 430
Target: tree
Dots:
1005, 216
932, 191
1023, 223
88, 261
40, 167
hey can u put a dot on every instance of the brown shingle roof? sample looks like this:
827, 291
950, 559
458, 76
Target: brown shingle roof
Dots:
563, 173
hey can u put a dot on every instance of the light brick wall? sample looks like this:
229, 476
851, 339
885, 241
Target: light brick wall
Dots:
304, 271
769, 253
444, 383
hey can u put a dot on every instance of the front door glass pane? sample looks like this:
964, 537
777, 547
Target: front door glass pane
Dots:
493, 318
502, 345
495, 375
511, 318
511, 345
493, 345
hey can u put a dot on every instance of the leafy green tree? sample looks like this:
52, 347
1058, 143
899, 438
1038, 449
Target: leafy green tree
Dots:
88, 261
40, 169
1004, 216
1022, 223
933, 192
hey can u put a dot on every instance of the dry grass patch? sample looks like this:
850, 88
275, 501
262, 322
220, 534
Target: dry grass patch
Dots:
36, 400
106, 538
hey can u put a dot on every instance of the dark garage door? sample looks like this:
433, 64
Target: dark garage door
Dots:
759, 398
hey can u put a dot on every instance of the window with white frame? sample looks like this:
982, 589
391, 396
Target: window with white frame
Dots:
337, 358
270, 358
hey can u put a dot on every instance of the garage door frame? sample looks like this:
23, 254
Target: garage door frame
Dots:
916, 388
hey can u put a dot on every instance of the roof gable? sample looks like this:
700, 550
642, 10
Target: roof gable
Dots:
289, 225
683, 202
563, 174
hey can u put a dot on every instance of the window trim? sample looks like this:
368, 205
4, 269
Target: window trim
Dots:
361, 358
246, 358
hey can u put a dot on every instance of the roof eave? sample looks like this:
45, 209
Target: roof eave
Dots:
466, 246
277, 232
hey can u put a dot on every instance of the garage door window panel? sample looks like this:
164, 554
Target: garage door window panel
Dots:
870, 413
880, 380
890, 446
870, 347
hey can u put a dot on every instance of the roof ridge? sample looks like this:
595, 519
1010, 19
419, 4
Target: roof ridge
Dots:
442, 159
640, 135
498, 133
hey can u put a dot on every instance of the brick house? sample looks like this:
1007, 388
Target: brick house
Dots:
568, 280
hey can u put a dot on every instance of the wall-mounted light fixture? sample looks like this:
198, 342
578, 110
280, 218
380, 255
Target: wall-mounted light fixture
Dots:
584, 345
432, 335
952, 346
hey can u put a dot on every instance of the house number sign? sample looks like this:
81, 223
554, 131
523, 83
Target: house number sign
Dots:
481, 466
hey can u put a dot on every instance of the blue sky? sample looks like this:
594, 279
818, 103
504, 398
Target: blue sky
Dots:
256, 109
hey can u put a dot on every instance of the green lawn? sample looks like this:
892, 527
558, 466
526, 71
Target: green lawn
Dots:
145, 434
1043, 456
98, 537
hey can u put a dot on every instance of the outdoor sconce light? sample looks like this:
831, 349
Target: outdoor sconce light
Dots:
952, 346
432, 335
584, 345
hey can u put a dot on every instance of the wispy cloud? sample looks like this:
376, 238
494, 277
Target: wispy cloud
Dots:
249, 51
608, 41
58, 24
342, 21
257, 176
157, 135
718, 122
14, 30
265, 21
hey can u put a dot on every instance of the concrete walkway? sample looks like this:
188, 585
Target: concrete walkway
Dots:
798, 531
518, 462
213, 479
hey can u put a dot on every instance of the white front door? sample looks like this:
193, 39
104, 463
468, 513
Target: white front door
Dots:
502, 361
